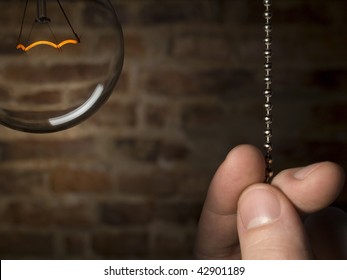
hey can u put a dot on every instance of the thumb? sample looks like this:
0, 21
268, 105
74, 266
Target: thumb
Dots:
269, 227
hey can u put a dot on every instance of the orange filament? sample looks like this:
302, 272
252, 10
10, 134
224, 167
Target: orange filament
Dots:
48, 43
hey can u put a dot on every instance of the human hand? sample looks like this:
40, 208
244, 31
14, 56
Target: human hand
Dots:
243, 218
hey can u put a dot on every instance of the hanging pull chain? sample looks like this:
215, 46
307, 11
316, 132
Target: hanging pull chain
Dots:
268, 90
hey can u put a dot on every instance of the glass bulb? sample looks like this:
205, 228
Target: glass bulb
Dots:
60, 61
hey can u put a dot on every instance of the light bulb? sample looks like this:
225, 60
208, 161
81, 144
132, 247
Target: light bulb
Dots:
59, 63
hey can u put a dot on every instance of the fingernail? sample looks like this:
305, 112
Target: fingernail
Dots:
259, 207
302, 173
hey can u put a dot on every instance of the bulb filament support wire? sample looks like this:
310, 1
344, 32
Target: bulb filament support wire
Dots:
42, 18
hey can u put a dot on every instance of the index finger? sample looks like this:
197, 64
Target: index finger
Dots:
217, 236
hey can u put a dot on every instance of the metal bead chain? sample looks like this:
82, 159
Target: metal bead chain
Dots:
268, 90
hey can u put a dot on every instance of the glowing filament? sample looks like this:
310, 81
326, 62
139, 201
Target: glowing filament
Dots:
48, 43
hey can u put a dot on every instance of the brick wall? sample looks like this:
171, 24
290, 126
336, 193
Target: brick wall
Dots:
130, 181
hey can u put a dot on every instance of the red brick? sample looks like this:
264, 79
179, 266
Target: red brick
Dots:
157, 115
151, 149
142, 149
173, 151
240, 13
76, 215
42, 97
126, 213
80, 94
204, 116
115, 114
120, 245
202, 46
180, 11
122, 85
96, 15
76, 244
135, 46
158, 183
210, 82
9, 11
55, 73
216, 46
77, 180
161, 183
16, 244
7, 47
42, 213
168, 82
4, 95
23, 182
109, 44
36, 149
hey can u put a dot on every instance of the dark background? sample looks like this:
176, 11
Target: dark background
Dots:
130, 181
